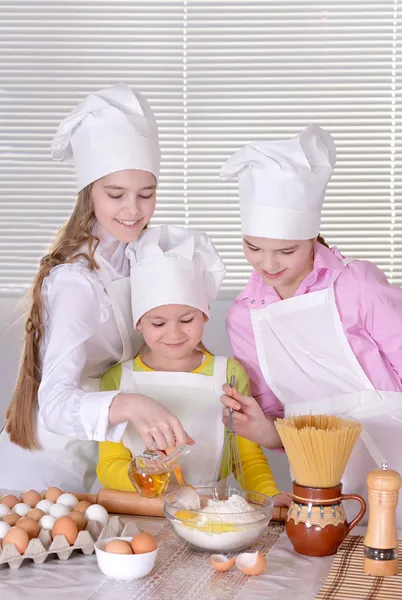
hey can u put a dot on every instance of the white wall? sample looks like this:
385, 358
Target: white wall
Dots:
11, 335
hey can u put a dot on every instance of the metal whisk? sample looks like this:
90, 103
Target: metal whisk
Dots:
229, 460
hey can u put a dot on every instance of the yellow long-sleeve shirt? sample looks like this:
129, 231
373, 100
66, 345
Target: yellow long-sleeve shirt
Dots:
114, 458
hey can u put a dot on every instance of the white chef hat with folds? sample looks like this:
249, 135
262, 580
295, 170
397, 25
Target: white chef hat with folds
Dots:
173, 265
110, 130
282, 184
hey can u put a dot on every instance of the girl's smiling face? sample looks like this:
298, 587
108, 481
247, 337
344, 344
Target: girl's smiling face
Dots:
280, 263
172, 331
124, 202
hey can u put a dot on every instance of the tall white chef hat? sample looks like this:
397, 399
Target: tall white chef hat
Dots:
110, 130
282, 184
173, 265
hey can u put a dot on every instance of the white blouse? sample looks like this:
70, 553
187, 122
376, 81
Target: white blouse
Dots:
80, 340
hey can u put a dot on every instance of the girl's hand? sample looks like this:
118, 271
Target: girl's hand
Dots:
281, 499
248, 418
157, 426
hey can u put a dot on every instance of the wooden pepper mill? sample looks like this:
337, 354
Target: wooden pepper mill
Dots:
381, 541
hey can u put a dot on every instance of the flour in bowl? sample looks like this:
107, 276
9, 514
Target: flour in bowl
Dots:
225, 525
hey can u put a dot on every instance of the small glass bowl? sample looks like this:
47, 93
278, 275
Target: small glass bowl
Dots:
150, 471
220, 532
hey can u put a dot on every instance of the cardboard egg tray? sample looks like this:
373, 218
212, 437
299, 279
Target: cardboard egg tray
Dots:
43, 546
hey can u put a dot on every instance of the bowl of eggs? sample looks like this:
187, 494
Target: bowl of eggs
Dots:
127, 557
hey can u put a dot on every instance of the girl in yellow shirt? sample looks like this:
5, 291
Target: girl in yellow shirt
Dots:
175, 272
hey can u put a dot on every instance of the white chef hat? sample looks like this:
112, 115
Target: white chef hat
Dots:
173, 265
110, 130
282, 184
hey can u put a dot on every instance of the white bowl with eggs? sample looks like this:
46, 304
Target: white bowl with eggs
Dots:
124, 566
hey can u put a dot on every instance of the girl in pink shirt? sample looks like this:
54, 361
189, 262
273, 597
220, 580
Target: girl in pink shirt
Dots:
317, 332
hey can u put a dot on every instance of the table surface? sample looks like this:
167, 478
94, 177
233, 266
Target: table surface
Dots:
188, 576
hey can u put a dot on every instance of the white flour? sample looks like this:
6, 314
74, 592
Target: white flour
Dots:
232, 541
234, 510
236, 513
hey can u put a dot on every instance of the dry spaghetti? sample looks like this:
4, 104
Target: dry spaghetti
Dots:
318, 447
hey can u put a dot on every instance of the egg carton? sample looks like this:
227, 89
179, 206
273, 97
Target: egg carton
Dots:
43, 546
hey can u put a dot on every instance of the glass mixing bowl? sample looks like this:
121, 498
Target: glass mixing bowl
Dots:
226, 531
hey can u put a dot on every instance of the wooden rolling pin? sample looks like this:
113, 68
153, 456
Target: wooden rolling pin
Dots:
125, 503
132, 503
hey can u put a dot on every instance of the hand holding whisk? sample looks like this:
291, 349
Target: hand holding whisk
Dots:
229, 461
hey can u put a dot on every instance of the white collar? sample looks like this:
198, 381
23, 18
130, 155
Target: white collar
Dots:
112, 251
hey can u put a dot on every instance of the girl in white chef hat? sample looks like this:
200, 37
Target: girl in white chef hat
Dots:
317, 332
79, 322
175, 273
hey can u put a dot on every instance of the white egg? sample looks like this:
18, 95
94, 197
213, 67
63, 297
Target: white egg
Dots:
47, 522
68, 500
45, 505
96, 512
59, 510
4, 527
4, 510
21, 509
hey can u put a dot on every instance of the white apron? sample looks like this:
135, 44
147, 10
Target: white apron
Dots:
195, 400
306, 360
64, 461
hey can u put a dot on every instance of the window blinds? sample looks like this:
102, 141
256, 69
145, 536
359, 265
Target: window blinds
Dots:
218, 74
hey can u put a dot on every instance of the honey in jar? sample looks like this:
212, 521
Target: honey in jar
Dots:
150, 471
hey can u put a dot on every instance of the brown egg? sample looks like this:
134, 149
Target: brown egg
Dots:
82, 506
30, 525
36, 514
52, 494
31, 497
221, 562
118, 547
12, 519
9, 501
79, 519
251, 563
67, 527
143, 543
18, 537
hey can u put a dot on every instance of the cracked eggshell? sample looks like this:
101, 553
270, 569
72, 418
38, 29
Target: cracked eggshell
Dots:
220, 562
251, 563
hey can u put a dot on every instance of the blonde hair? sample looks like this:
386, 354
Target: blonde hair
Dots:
68, 247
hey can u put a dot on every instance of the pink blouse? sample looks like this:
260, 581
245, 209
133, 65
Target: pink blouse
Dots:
370, 309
